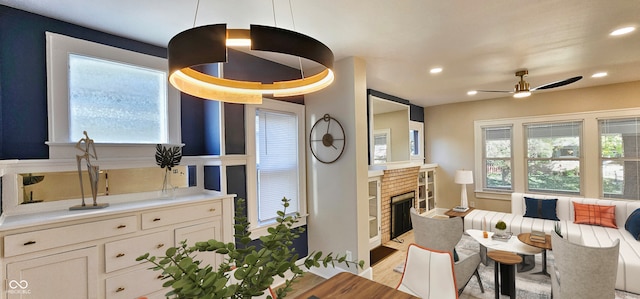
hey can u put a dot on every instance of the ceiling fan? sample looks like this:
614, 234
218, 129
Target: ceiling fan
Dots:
522, 89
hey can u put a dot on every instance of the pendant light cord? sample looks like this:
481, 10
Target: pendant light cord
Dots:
195, 16
273, 10
293, 21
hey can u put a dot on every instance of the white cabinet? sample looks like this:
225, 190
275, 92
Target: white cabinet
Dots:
71, 274
70, 254
426, 189
201, 232
375, 239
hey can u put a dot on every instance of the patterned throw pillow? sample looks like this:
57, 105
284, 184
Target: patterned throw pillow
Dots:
595, 215
541, 208
633, 224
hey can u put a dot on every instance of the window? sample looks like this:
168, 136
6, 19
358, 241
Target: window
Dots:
117, 96
381, 146
620, 157
279, 147
416, 141
553, 157
276, 162
497, 158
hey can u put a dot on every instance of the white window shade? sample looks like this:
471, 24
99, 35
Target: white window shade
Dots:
277, 163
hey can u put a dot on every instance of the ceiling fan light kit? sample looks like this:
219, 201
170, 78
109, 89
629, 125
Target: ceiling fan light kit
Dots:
522, 88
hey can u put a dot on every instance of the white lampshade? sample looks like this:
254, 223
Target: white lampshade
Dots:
464, 177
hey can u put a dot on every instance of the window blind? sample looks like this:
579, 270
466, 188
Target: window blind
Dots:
277, 162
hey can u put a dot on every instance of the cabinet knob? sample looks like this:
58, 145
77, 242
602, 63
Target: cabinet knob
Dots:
160, 245
121, 226
29, 243
120, 255
212, 210
120, 289
156, 219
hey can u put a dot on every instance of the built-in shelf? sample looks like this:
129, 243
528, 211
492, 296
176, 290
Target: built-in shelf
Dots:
426, 188
374, 212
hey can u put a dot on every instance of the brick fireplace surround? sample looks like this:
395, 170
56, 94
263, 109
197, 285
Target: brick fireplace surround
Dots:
394, 182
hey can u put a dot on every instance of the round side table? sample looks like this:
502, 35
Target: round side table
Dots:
505, 264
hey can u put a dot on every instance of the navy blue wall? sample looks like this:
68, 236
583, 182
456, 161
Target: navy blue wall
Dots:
23, 77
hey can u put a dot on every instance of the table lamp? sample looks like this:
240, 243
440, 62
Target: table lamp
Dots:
464, 177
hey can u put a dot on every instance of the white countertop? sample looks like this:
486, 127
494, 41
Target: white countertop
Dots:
42, 218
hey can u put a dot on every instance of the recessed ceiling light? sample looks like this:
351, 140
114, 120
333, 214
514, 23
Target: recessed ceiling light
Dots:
599, 75
472, 92
436, 70
622, 31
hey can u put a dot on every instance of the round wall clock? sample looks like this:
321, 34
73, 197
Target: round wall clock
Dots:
327, 139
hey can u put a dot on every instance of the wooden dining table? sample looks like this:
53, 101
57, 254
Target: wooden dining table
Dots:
349, 285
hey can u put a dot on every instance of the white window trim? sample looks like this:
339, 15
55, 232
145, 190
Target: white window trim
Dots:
58, 49
252, 179
590, 168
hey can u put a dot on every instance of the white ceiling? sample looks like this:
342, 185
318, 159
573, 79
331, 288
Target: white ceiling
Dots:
480, 44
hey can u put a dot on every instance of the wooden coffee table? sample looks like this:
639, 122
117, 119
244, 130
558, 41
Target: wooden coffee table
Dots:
506, 262
546, 245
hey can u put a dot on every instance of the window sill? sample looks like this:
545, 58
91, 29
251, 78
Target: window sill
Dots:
496, 195
67, 150
262, 231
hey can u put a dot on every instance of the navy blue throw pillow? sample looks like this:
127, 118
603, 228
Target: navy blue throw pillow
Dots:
633, 224
541, 208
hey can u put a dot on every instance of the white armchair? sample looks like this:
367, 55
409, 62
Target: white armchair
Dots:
444, 235
583, 272
428, 274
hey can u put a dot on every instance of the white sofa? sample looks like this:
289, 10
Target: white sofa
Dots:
589, 235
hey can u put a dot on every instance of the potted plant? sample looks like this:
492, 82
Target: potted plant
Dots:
501, 227
247, 271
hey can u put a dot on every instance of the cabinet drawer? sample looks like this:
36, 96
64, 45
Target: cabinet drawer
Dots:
55, 237
133, 284
123, 253
180, 214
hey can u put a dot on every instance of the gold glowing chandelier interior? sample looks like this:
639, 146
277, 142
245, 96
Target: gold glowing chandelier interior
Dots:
189, 51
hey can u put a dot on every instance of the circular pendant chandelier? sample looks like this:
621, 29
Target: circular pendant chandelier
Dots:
194, 48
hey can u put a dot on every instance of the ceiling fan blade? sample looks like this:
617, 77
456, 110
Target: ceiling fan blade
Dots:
558, 83
504, 91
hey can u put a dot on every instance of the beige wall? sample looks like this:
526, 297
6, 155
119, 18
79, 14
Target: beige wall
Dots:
337, 193
398, 123
449, 129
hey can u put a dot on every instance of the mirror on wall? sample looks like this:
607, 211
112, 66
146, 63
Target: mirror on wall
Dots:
53, 186
388, 131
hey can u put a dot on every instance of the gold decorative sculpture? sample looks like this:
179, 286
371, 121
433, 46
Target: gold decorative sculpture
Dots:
88, 148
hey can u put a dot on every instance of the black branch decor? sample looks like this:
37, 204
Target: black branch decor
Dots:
168, 157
